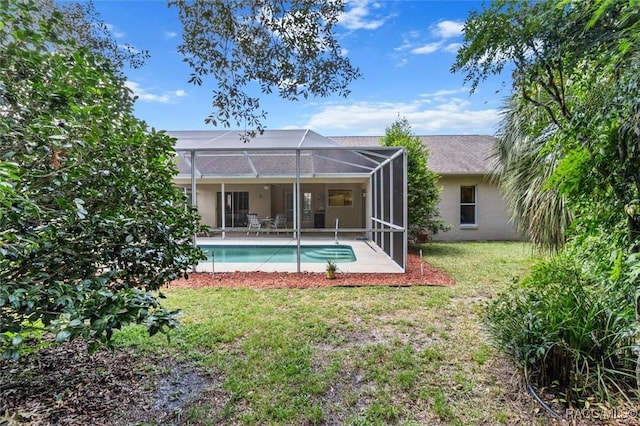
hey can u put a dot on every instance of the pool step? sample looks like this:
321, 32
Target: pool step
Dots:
332, 253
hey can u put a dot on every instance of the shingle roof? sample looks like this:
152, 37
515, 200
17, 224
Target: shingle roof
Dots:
448, 154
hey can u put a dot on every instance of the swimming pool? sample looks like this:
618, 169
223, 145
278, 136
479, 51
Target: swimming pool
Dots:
278, 254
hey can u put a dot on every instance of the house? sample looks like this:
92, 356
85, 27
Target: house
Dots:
470, 201
319, 185
347, 184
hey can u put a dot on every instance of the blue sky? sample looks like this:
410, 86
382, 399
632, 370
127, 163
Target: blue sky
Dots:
404, 49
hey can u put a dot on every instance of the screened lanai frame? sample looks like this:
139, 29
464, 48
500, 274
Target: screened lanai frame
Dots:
296, 156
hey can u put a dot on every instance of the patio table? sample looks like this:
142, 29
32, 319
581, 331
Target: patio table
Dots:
266, 223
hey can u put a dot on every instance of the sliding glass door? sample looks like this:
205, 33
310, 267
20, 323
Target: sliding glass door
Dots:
306, 208
236, 207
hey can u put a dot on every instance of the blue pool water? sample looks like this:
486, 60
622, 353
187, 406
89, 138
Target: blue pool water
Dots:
278, 254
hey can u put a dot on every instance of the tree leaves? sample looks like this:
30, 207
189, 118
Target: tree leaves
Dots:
91, 225
575, 87
423, 194
247, 45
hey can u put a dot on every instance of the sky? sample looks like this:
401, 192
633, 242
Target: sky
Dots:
403, 48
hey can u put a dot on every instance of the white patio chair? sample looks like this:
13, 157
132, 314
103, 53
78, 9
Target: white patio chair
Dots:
279, 222
254, 222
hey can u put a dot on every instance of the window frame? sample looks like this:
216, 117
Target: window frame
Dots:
473, 204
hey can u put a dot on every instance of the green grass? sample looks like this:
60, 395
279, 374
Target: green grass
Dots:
361, 356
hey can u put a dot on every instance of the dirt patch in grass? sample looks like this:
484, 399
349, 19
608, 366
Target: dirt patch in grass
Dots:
64, 384
418, 273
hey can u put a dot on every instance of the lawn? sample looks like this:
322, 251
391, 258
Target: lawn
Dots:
361, 356
335, 355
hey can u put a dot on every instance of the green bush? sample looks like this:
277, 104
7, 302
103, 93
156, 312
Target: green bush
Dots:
91, 225
568, 331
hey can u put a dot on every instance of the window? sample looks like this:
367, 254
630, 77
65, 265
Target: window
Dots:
306, 207
187, 193
468, 205
340, 197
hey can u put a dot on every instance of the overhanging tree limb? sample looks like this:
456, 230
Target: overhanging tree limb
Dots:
245, 45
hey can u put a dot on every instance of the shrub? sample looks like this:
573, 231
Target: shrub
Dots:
567, 330
423, 193
91, 225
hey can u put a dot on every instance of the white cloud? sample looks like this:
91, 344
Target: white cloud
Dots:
404, 46
408, 41
401, 62
145, 96
447, 29
442, 95
170, 34
414, 42
436, 41
426, 49
452, 47
357, 16
449, 116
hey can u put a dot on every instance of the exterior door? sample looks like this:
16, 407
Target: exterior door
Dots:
306, 219
236, 208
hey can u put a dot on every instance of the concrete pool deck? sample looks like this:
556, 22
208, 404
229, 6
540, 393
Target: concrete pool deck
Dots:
369, 257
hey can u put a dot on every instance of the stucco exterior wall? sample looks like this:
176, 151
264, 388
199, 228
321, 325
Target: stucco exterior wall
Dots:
492, 220
349, 216
492, 216
269, 199
206, 193
206, 198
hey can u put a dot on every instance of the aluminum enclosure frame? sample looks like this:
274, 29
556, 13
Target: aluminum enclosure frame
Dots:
286, 157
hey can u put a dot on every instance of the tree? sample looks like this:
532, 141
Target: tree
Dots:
523, 169
81, 26
287, 47
577, 64
91, 225
574, 121
423, 193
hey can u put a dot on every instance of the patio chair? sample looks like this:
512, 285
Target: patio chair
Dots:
254, 222
279, 222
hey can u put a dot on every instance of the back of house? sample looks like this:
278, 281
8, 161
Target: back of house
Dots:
470, 201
